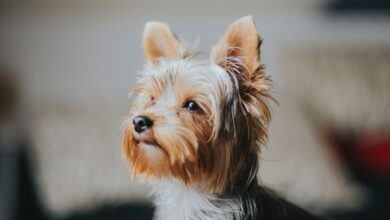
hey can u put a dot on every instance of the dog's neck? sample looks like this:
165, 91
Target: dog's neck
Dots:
176, 201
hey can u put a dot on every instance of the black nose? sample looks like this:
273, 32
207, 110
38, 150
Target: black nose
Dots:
141, 123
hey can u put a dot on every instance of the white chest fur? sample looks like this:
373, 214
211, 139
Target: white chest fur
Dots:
175, 201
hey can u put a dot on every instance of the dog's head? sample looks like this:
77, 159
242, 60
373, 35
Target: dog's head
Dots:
201, 122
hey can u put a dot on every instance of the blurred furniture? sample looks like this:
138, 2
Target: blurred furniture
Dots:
345, 94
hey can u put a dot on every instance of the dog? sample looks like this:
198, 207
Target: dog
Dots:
196, 127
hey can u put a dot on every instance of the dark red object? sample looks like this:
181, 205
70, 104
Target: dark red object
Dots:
366, 154
373, 153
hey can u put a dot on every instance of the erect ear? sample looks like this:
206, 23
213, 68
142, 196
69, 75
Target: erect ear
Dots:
238, 52
159, 41
239, 47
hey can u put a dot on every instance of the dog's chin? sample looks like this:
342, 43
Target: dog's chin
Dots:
149, 159
152, 151
146, 145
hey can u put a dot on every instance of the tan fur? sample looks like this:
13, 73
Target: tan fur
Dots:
214, 149
241, 41
159, 41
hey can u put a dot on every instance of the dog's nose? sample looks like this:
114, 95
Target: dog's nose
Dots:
141, 123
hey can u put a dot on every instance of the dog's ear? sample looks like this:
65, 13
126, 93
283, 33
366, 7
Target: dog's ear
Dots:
238, 52
240, 43
159, 41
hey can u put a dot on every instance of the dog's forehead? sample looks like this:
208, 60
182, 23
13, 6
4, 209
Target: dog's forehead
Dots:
183, 68
183, 72
186, 79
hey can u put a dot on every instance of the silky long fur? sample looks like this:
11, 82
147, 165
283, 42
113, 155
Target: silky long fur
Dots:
203, 163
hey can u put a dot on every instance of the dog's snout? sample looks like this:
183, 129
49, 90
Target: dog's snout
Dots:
141, 123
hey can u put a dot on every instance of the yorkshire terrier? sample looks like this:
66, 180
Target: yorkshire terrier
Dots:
196, 128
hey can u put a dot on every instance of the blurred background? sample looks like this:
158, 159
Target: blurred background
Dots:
66, 68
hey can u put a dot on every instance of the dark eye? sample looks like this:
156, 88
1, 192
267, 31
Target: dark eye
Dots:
192, 106
152, 100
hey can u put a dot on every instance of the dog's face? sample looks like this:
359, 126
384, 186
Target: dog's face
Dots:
201, 122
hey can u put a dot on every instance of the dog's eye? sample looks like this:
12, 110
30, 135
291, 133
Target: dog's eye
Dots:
192, 106
152, 100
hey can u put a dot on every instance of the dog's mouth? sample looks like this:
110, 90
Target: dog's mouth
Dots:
148, 142
146, 139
